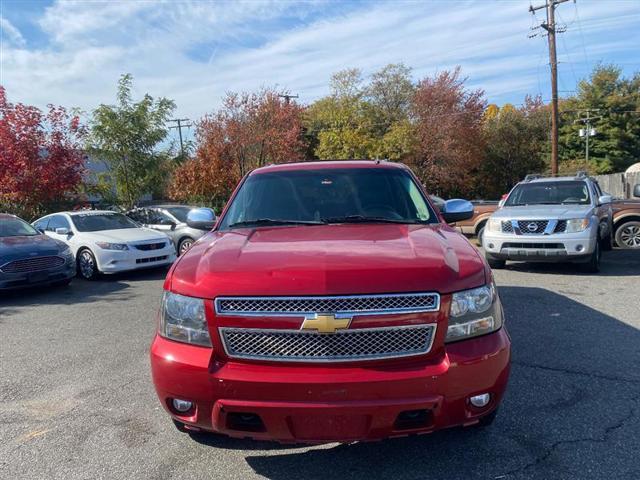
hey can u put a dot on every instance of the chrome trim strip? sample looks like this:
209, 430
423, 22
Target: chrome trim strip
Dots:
353, 313
433, 327
551, 226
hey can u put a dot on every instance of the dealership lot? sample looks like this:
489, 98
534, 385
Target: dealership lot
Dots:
76, 398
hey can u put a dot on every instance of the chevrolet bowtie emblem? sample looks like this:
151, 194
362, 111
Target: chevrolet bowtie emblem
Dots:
325, 323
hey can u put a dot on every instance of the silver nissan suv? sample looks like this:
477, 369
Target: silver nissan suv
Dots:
543, 219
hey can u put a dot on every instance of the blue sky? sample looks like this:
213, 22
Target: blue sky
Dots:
71, 53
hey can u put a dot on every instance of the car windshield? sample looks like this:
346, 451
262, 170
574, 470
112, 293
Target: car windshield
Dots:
549, 193
339, 195
14, 227
95, 222
180, 213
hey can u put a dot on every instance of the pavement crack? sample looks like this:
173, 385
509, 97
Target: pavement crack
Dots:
576, 372
555, 445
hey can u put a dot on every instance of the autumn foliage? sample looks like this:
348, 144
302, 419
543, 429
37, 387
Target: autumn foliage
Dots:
41, 159
247, 132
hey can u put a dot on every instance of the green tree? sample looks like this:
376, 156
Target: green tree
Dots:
616, 101
516, 144
128, 136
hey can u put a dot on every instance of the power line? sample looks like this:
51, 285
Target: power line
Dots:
179, 128
551, 29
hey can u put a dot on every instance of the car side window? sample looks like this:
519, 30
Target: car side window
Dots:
57, 221
42, 224
156, 217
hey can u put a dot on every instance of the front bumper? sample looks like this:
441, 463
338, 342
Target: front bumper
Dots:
10, 281
316, 404
112, 261
559, 247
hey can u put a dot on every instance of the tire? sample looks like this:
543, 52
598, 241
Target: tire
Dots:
184, 245
593, 264
495, 263
607, 242
487, 419
480, 235
628, 235
87, 265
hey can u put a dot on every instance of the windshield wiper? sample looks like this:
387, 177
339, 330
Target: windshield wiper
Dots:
365, 219
261, 222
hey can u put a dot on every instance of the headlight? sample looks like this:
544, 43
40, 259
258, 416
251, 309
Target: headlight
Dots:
112, 246
576, 225
66, 252
182, 319
474, 312
494, 225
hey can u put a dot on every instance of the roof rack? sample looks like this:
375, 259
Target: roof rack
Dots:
533, 176
582, 174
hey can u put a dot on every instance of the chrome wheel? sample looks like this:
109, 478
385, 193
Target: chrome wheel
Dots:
185, 245
630, 236
87, 265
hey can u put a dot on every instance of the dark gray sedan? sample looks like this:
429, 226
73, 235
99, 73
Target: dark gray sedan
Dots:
29, 258
171, 220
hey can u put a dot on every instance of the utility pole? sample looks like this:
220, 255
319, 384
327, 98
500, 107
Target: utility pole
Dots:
179, 127
287, 97
587, 131
550, 27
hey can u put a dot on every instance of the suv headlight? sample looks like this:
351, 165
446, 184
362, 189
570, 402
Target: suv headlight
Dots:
576, 225
473, 313
494, 225
112, 246
182, 319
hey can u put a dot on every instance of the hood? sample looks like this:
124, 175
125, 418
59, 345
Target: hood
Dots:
127, 235
15, 248
329, 260
537, 212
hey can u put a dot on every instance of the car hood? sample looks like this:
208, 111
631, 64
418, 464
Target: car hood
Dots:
537, 212
126, 235
15, 248
329, 260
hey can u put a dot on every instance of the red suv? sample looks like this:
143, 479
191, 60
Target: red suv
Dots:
330, 302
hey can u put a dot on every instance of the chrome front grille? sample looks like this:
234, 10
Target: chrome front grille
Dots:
507, 227
561, 226
342, 346
352, 304
35, 264
150, 246
532, 227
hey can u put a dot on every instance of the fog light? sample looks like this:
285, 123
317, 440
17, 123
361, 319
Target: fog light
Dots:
579, 248
181, 405
480, 400
491, 245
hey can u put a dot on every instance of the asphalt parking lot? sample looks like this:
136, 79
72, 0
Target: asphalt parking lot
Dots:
76, 398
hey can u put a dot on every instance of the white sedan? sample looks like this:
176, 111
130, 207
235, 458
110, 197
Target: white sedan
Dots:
107, 242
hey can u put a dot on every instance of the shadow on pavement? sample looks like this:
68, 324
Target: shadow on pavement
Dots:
570, 411
105, 288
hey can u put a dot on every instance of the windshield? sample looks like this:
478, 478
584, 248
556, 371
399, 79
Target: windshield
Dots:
95, 222
14, 227
550, 193
339, 195
180, 213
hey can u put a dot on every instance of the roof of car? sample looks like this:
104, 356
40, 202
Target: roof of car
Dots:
168, 205
6, 216
86, 212
328, 164
556, 179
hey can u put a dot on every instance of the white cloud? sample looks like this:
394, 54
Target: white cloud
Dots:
195, 51
10, 32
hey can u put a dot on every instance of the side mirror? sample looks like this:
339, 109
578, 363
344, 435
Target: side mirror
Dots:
604, 199
63, 231
201, 218
457, 210
636, 190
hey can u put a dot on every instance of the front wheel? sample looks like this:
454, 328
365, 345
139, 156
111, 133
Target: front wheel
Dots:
593, 264
184, 245
87, 265
628, 235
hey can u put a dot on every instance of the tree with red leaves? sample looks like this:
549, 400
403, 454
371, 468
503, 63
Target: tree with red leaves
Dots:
249, 131
41, 160
449, 120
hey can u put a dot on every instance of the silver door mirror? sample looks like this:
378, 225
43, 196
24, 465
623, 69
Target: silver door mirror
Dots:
201, 218
457, 210
604, 199
636, 190
63, 231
